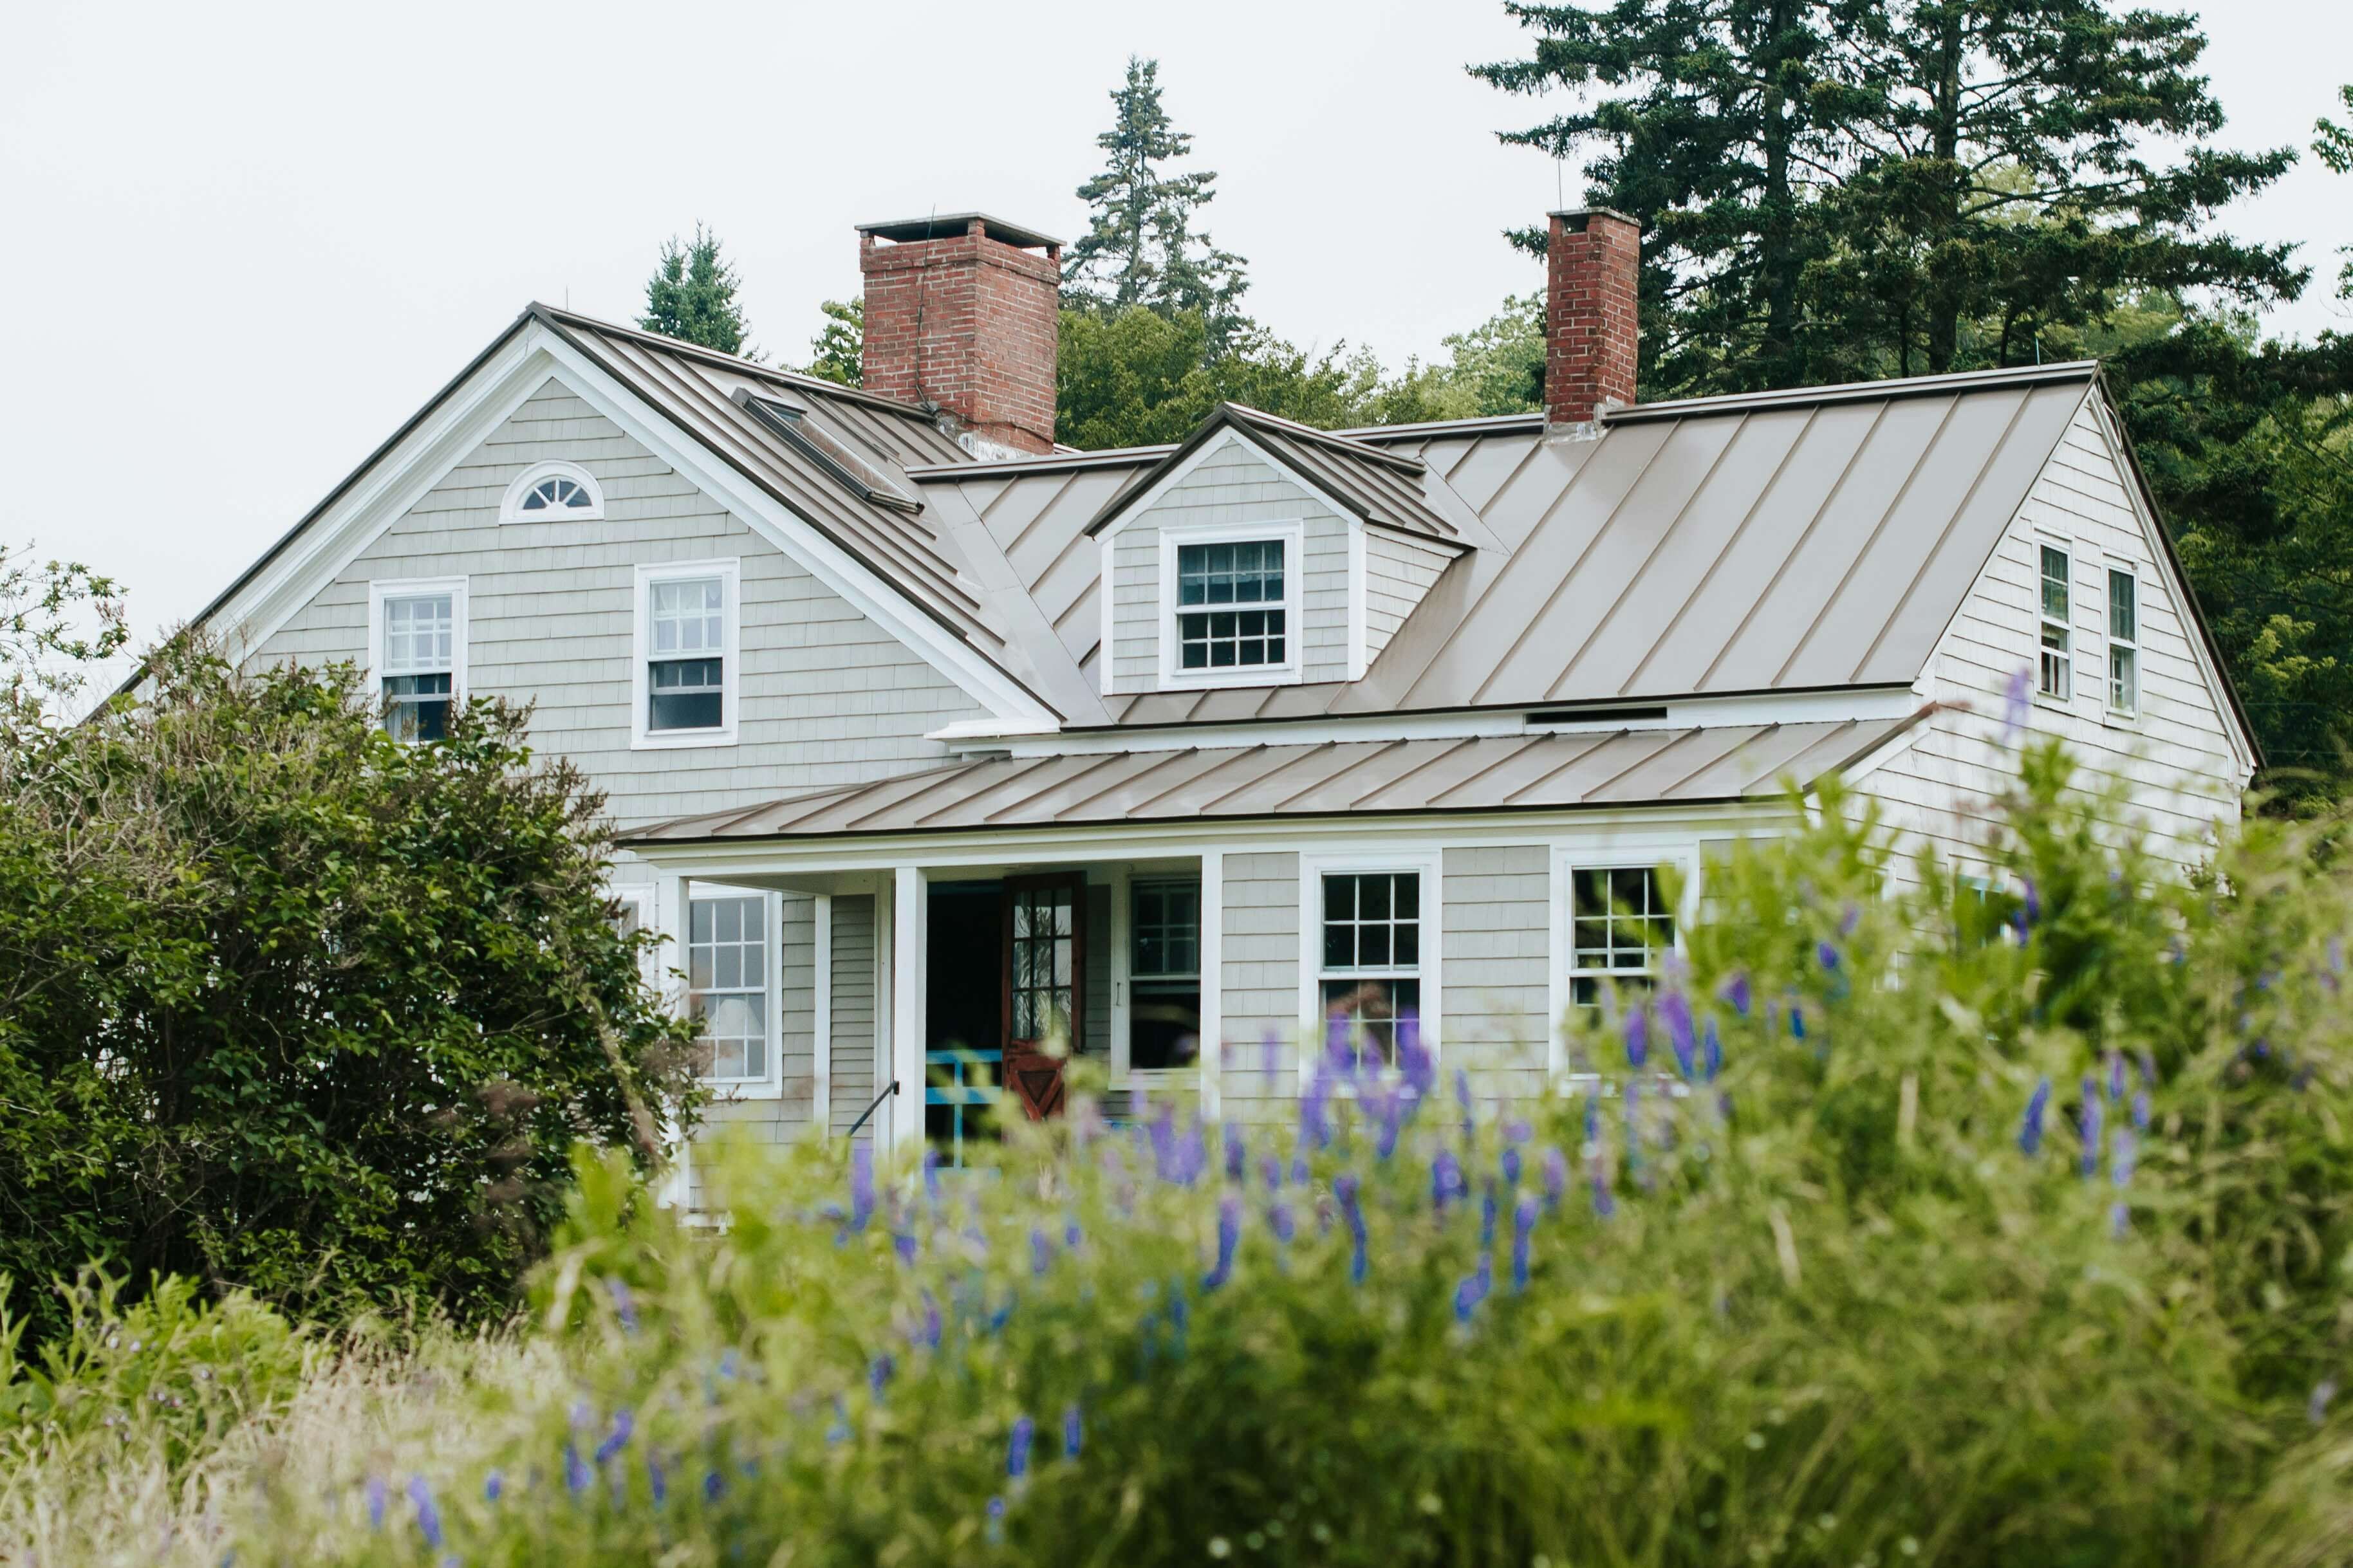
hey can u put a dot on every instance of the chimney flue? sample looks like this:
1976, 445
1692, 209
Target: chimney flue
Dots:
960, 314
1593, 267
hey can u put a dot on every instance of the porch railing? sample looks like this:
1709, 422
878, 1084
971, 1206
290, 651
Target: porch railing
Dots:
888, 1090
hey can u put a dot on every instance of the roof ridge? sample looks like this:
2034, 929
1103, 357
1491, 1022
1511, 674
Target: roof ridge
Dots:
1856, 391
1414, 467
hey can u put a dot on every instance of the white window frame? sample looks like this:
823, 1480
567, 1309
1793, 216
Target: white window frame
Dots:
1427, 861
1291, 533
2130, 571
730, 572
380, 591
639, 899
511, 504
769, 1085
2067, 551
1561, 950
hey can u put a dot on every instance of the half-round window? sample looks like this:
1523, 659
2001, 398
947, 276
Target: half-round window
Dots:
552, 493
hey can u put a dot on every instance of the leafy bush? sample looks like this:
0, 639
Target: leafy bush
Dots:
1931, 1227
289, 1007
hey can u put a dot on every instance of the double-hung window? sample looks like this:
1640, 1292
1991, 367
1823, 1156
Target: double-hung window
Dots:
1231, 607
686, 678
1163, 973
1620, 922
417, 633
1372, 955
2055, 676
727, 962
2124, 643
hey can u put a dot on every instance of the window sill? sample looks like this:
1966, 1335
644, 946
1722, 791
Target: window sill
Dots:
1220, 680
726, 1089
680, 740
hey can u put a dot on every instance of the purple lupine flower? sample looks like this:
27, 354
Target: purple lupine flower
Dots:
624, 1306
877, 1374
1473, 1289
372, 1490
1416, 1065
1711, 1054
1593, 1115
997, 1522
1487, 1214
2119, 1217
1314, 1127
2116, 1076
1604, 1204
1736, 993
617, 1438
1072, 1233
2140, 1111
1518, 1131
2029, 1131
1270, 1171
1445, 1180
429, 1517
576, 1468
999, 1318
1229, 1237
1675, 1017
713, 1486
1393, 1105
2148, 1070
1637, 1033
1280, 1221
1237, 1152
1299, 1166
2091, 1123
656, 1479
1555, 1179
494, 1486
1827, 955
1796, 1019
2315, 1409
2015, 704
1041, 1251
838, 1432
1016, 1449
1850, 917
928, 1336
1463, 1100
1073, 1433
2124, 1156
902, 1244
2030, 903
861, 1185
1509, 1163
1344, 1188
1180, 1318
1523, 1229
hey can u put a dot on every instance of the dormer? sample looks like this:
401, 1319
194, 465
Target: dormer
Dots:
1263, 553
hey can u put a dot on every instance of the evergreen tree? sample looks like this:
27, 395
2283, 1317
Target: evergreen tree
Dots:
691, 296
839, 352
1141, 247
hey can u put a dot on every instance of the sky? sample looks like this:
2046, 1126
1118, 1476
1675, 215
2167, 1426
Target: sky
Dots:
248, 241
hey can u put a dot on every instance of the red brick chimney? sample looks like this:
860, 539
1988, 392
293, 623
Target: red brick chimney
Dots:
960, 315
1592, 264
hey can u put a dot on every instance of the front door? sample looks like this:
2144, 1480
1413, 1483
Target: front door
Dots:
1045, 979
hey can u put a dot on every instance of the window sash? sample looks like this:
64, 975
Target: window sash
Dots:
2124, 643
727, 984
1620, 922
1244, 572
420, 635
687, 615
2055, 665
1165, 931
1372, 925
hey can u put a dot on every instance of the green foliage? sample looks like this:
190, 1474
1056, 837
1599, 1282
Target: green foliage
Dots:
691, 296
2012, 1226
2333, 144
1142, 245
286, 1005
838, 353
55, 619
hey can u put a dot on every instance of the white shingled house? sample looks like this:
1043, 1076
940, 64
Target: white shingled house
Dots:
930, 739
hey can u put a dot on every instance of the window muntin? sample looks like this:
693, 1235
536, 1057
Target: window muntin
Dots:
727, 984
2124, 643
1164, 975
417, 665
1230, 605
1619, 921
686, 674
558, 493
1371, 969
2055, 668
552, 492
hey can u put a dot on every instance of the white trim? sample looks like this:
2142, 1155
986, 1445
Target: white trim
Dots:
1123, 1073
910, 909
821, 1017
511, 504
1359, 633
1138, 506
1565, 857
1425, 857
1213, 981
1291, 533
1103, 662
2118, 718
677, 1189
1122, 1013
730, 571
643, 900
2049, 538
381, 589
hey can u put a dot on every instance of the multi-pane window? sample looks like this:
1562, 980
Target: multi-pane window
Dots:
418, 664
1041, 941
1372, 954
1164, 975
686, 620
1229, 605
1619, 921
557, 494
727, 984
2056, 671
2124, 643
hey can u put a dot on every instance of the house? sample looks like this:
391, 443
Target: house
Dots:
926, 734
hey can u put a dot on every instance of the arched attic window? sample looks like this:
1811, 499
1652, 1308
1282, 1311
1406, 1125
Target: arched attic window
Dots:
552, 493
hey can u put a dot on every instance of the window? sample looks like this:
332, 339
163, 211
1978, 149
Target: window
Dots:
1241, 622
552, 493
2056, 678
1164, 975
1371, 969
2124, 643
727, 984
416, 643
686, 664
1619, 921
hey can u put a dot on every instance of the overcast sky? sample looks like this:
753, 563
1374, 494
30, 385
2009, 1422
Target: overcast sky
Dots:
244, 242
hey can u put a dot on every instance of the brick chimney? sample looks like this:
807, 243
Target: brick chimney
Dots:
1592, 264
960, 315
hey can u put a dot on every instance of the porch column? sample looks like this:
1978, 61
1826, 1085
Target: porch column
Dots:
822, 1021
672, 893
1213, 983
909, 921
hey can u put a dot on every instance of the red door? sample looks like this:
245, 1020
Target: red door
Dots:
1045, 983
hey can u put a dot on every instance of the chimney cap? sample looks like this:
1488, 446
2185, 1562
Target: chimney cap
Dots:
948, 226
1594, 212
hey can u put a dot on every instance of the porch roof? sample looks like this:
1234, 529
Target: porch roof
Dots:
1546, 771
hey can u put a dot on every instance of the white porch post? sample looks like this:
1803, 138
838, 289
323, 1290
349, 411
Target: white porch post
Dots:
670, 908
1213, 983
821, 1020
909, 912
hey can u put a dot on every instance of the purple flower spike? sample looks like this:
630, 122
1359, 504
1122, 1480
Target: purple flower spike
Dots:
2119, 1217
429, 1517
1517, 1131
1555, 1179
928, 1336
576, 1469
902, 1243
1637, 1033
1392, 1122
1230, 1237
1711, 1054
1462, 1098
618, 1437
656, 1479
2116, 1077
997, 1522
1314, 1126
1487, 1215
2140, 1111
1016, 1449
2030, 903
1280, 1221
1604, 1204
625, 1307
1827, 955
2092, 1120
1510, 1165
1849, 918
372, 1490
877, 1374
1270, 1170
1675, 1017
1445, 1180
2123, 1157
1041, 1251
1523, 1229
861, 1185
1736, 993
932, 1179
1352, 1209
494, 1486
1237, 1152
2315, 1409
1473, 1289
713, 1484
1593, 1116
1073, 1433
2038, 1104
1071, 1235
2015, 705
1414, 1064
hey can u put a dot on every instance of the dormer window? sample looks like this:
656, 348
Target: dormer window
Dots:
1230, 598
552, 493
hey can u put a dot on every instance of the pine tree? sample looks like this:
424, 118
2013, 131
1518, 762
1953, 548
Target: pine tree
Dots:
1141, 247
691, 296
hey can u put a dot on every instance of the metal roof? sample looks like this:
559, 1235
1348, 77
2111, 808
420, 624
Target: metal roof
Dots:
1545, 771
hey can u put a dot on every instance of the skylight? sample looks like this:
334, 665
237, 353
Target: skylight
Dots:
828, 450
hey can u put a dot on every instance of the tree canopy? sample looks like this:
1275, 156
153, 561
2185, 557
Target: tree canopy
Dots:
691, 296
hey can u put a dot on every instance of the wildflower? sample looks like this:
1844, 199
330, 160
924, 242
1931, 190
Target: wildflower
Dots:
877, 1374
2124, 1155
1711, 1050
576, 1468
837, 1433
1180, 1318
1797, 1020
1445, 1180
1487, 1215
1736, 993
1414, 1064
656, 1479
2315, 1409
494, 1486
996, 1522
713, 1484
1593, 1116
1299, 1165
1604, 1204
1524, 1227
1041, 1251
2116, 1076
1016, 1449
618, 1437
928, 1335
2092, 1124
932, 1180
1229, 1237
2030, 1132
1270, 1170
902, 1243
1473, 1289
1392, 1123
1071, 1235
624, 1308
374, 1493
2140, 1111
1850, 917
2014, 705
2030, 904
1637, 1034
429, 1517
1278, 1220
1555, 1179
2148, 1070
1827, 956
1510, 1163
1675, 1015
1237, 1150
1462, 1098
1352, 1209
861, 1185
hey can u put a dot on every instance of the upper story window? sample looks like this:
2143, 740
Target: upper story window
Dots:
2055, 672
552, 493
418, 647
686, 654
2124, 643
1230, 605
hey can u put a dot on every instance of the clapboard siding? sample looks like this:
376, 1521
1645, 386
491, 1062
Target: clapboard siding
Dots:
1398, 571
1496, 956
828, 696
1260, 985
1233, 485
2173, 760
853, 1010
